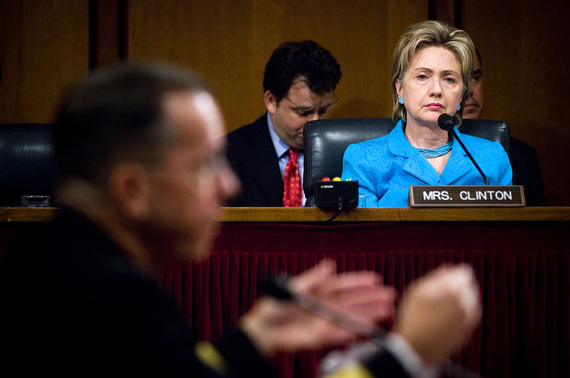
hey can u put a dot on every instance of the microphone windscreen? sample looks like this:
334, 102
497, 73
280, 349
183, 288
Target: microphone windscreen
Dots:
445, 121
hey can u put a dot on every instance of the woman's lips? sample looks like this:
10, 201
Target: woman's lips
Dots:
434, 106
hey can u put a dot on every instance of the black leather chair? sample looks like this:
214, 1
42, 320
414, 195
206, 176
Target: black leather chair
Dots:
26, 166
327, 139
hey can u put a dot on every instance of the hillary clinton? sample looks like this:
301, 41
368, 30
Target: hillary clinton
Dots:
431, 75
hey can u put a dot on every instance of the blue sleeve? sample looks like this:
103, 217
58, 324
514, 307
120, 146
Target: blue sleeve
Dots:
505, 170
355, 166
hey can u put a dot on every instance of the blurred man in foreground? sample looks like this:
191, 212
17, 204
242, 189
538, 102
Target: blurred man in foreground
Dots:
139, 150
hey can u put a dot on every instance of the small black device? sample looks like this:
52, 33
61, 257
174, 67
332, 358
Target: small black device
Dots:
336, 194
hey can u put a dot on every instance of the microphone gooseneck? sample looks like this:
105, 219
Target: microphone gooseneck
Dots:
445, 122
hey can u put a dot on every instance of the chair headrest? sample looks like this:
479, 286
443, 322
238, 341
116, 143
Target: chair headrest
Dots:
26, 166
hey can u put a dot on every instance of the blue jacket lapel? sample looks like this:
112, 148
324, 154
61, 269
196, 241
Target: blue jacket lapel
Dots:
415, 164
456, 166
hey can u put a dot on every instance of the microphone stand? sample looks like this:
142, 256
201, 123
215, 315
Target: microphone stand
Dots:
469, 154
445, 121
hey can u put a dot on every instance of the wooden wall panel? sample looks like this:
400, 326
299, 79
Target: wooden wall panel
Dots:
43, 47
228, 42
524, 46
107, 20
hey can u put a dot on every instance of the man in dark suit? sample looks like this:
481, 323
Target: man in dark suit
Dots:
524, 158
298, 84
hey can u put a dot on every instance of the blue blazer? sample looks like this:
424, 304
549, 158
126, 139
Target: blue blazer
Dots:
385, 167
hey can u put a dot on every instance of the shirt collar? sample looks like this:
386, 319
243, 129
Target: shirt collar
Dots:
280, 147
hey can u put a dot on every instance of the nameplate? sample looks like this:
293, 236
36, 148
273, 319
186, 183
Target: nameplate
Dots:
467, 196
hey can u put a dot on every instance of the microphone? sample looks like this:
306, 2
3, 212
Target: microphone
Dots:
445, 122
278, 288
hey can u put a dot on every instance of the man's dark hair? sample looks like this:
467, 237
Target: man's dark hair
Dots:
115, 113
306, 58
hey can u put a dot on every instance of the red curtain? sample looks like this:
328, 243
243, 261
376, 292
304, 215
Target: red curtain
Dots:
523, 270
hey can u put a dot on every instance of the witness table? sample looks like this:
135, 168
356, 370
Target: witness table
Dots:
521, 257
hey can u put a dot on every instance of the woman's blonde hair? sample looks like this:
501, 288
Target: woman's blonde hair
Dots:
427, 34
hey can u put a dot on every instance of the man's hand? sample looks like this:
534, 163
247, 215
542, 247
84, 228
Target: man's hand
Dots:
439, 312
276, 325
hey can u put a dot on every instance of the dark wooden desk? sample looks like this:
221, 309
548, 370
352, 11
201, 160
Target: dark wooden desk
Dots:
296, 215
521, 257
313, 214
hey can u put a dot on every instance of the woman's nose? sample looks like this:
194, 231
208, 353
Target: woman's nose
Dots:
436, 88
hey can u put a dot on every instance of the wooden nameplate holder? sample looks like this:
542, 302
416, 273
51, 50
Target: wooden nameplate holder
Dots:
467, 196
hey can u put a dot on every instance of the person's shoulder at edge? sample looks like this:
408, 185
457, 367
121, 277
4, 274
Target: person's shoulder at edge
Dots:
367, 146
519, 146
245, 132
527, 172
241, 140
362, 155
377, 149
373, 152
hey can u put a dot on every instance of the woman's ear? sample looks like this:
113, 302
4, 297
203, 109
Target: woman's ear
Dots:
129, 189
399, 88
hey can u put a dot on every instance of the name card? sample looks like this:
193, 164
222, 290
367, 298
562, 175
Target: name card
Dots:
467, 196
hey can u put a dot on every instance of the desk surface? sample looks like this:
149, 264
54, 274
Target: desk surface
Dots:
312, 214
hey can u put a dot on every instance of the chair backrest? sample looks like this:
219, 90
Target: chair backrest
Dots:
327, 139
26, 166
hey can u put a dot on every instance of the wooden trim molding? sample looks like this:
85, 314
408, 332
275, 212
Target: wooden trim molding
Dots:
313, 214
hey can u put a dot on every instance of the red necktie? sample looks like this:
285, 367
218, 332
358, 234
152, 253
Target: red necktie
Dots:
292, 192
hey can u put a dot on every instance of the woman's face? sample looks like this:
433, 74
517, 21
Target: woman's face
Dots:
432, 85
